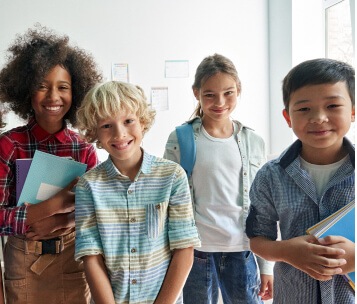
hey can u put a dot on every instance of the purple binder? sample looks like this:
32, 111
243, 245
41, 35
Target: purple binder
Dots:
22, 168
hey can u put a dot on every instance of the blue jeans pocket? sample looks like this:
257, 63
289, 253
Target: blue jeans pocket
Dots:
156, 215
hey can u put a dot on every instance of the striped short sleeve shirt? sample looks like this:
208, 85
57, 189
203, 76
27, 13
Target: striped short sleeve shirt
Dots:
135, 224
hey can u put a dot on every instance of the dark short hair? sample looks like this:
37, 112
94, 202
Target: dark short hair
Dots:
318, 71
31, 57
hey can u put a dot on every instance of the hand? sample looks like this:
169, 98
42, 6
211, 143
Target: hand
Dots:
65, 198
266, 287
345, 244
305, 253
51, 226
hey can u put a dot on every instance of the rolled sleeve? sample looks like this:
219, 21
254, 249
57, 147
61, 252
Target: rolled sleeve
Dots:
87, 235
262, 218
182, 229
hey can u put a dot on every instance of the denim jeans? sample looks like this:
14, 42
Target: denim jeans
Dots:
234, 273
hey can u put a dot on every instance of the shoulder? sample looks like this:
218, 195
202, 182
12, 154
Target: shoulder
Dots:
15, 135
249, 132
164, 166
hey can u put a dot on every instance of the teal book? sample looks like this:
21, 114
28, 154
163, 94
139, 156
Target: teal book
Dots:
341, 223
48, 174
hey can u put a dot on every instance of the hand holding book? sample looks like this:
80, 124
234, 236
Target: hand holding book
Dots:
338, 231
345, 244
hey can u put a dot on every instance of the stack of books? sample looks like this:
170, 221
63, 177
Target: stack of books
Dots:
43, 176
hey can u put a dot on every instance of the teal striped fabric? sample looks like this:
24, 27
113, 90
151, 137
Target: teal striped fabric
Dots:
135, 225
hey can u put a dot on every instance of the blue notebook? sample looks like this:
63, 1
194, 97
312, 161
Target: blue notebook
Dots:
48, 174
340, 223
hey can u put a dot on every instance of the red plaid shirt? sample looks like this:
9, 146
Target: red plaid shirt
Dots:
21, 142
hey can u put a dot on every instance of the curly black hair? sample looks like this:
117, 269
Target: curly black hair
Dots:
31, 57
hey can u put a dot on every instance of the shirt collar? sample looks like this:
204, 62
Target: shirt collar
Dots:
42, 135
145, 166
293, 152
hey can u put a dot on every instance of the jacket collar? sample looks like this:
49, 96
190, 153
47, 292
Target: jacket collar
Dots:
294, 150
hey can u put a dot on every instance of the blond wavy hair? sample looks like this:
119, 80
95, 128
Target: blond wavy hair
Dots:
108, 99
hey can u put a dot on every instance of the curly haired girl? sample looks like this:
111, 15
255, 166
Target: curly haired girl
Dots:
43, 82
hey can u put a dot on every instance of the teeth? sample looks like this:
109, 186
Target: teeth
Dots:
123, 145
53, 108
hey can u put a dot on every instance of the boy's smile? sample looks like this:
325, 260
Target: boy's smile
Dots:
121, 136
320, 116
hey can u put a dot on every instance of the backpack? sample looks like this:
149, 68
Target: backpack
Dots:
186, 141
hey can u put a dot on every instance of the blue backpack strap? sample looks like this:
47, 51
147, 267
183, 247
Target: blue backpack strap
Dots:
187, 145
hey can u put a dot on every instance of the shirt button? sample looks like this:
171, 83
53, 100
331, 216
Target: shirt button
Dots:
133, 220
245, 190
130, 191
133, 281
157, 206
133, 250
244, 173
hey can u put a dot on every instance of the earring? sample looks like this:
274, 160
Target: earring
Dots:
99, 145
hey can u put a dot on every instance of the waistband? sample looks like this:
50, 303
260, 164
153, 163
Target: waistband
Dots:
51, 246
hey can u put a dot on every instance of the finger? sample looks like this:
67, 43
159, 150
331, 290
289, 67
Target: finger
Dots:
331, 239
318, 276
71, 185
324, 250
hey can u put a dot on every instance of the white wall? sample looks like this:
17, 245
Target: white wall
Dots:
296, 34
146, 33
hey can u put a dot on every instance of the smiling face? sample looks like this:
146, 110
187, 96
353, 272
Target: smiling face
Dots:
121, 136
218, 98
320, 116
53, 99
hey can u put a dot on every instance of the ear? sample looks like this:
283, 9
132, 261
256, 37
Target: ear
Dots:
196, 92
353, 114
287, 117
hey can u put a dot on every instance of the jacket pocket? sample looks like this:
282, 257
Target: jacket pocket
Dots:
156, 215
255, 163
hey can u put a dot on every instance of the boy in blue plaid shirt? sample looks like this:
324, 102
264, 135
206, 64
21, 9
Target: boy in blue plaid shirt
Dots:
310, 180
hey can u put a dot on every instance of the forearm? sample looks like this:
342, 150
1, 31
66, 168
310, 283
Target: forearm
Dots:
98, 281
180, 266
267, 249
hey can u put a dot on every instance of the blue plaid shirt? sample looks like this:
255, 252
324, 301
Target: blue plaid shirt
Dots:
283, 191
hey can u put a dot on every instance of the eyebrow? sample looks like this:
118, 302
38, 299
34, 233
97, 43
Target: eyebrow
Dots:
325, 98
226, 89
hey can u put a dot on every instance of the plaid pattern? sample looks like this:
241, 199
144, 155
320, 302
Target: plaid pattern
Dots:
282, 191
21, 142
135, 224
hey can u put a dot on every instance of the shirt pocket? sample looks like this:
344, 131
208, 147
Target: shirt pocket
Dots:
156, 215
255, 163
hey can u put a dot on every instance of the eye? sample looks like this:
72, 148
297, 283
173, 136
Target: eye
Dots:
229, 93
41, 87
333, 106
303, 109
64, 88
129, 121
106, 126
209, 95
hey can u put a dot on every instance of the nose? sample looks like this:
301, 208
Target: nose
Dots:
220, 100
119, 132
318, 116
53, 95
